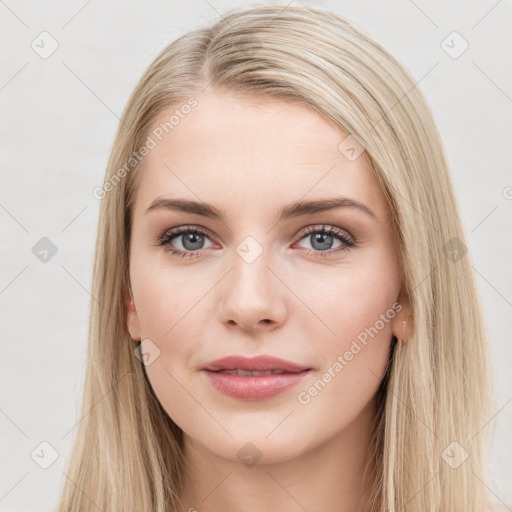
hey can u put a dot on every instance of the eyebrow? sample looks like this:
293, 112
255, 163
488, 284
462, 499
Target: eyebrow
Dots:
290, 211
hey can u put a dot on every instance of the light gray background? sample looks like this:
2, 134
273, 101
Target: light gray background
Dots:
59, 119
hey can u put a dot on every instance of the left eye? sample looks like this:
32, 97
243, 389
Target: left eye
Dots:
323, 239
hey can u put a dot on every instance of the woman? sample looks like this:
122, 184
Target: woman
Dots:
284, 313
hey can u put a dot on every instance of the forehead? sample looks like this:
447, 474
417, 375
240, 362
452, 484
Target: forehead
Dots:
243, 152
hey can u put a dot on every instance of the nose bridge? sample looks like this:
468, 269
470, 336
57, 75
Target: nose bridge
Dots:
250, 273
251, 293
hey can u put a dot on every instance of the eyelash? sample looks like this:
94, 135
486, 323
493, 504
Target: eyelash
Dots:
166, 237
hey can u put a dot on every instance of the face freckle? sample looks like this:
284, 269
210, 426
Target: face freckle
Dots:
252, 288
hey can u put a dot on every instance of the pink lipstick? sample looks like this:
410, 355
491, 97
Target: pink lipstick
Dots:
254, 378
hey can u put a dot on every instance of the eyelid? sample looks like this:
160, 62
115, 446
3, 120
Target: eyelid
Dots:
178, 231
332, 229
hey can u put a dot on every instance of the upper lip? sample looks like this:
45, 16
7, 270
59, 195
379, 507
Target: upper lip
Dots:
259, 363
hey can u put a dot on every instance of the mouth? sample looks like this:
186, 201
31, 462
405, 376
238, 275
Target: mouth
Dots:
254, 379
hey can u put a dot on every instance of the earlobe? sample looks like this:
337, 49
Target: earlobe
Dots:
131, 304
403, 323
405, 331
403, 327
132, 318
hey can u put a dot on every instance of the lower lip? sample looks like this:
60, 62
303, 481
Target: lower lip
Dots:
256, 387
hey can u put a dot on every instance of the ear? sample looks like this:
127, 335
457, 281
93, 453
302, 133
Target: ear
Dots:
132, 319
403, 322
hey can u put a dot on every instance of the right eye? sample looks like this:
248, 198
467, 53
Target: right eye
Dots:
191, 239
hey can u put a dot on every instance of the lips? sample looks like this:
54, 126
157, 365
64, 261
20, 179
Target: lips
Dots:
255, 364
256, 378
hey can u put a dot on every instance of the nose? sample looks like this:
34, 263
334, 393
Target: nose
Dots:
252, 297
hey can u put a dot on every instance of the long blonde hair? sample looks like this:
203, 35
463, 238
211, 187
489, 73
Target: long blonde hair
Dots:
434, 401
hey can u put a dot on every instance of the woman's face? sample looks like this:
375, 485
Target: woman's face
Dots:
260, 277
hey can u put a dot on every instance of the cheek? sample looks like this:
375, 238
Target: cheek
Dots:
172, 312
343, 302
351, 324
166, 298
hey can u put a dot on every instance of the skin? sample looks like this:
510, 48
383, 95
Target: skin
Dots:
250, 157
